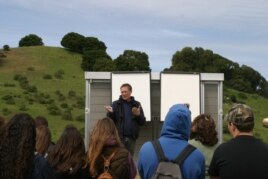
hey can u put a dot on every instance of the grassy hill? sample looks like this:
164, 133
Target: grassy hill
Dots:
55, 85
48, 81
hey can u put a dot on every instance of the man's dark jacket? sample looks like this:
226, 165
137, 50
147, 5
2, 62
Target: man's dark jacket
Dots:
118, 117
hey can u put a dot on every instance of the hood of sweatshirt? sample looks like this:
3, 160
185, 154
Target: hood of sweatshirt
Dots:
177, 123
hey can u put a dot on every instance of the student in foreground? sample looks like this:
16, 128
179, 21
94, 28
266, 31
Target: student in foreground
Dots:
174, 138
244, 156
67, 159
104, 142
17, 144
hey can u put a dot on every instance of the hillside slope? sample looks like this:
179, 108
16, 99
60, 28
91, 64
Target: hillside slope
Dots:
48, 80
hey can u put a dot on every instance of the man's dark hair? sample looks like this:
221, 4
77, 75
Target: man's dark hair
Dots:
127, 85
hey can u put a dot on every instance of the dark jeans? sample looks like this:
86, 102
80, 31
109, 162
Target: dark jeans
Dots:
129, 143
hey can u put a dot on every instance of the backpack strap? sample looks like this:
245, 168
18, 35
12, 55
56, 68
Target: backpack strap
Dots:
107, 161
159, 151
184, 154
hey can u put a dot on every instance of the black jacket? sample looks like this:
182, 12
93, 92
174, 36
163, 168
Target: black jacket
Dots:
47, 172
118, 117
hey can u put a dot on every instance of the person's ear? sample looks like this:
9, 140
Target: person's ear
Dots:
232, 127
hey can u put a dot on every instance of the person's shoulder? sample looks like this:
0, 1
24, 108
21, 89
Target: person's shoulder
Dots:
116, 102
122, 150
83, 173
146, 149
147, 144
198, 154
194, 142
225, 146
40, 160
121, 153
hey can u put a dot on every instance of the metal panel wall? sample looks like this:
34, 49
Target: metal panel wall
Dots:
99, 96
211, 100
212, 104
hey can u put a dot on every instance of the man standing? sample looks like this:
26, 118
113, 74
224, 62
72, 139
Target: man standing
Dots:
127, 115
244, 156
174, 138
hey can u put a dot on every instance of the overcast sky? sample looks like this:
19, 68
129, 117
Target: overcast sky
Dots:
235, 29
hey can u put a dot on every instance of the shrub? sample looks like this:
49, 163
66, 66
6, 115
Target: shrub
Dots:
30, 69
6, 111
29, 99
61, 98
53, 110
10, 101
23, 108
58, 93
8, 97
43, 98
24, 84
6, 48
80, 103
31, 40
17, 77
32, 89
64, 105
59, 74
47, 77
71, 93
67, 115
80, 118
9, 85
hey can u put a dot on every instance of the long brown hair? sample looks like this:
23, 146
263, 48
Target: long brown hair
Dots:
43, 139
204, 130
17, 147
103, 131
68, 154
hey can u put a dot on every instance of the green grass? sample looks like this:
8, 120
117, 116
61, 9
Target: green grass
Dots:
34, 63
259, 106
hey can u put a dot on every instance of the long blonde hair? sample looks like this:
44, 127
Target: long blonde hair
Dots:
103, 131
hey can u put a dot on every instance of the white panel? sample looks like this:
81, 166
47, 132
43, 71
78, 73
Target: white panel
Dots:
178, 89
141, 91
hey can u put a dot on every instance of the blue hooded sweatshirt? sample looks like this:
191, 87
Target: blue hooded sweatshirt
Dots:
174, 138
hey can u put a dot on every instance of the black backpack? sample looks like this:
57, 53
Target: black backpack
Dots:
169, 169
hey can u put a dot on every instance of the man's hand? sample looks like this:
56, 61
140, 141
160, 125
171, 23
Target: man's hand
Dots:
136, 111
109, 108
